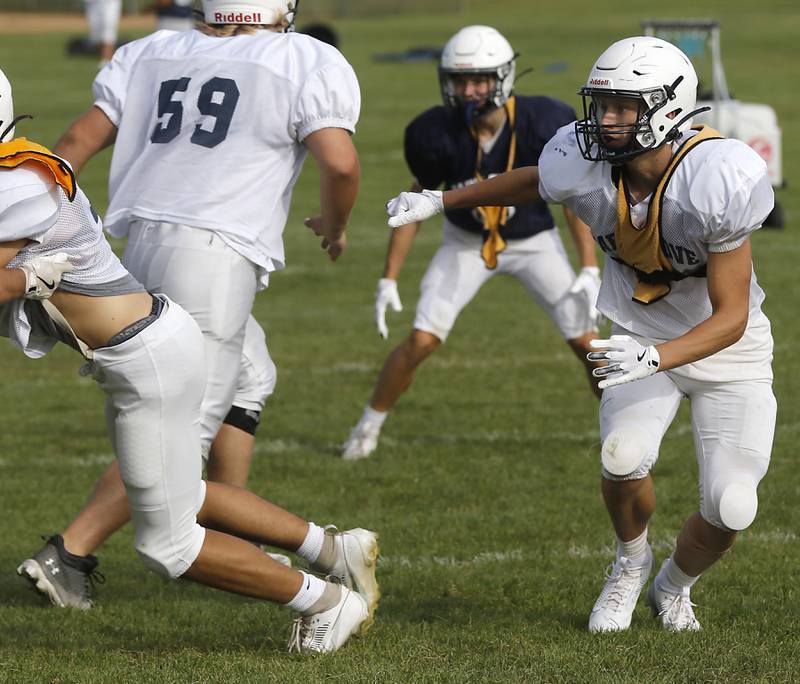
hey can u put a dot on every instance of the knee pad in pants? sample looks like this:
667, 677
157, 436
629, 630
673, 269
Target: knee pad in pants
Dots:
627, 454
732, 502
168, 541
729, 495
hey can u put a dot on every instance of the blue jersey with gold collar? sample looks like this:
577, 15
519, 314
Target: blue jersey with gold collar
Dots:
441, 150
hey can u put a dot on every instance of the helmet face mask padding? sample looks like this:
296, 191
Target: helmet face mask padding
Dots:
646, 69
477, 51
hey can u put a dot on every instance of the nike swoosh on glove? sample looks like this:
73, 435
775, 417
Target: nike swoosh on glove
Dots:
43, 274
627, 360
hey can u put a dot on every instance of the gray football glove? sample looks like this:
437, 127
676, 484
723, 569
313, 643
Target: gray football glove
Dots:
43, 274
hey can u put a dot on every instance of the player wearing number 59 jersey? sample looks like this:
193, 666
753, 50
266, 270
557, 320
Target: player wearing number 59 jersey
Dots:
202, 118
210, 130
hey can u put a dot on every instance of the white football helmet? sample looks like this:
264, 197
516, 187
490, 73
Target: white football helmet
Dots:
478, 50
645, 68
6, 110
250, 11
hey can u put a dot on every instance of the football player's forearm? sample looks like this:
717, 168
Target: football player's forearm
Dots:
729, 291
582, 237
12, 284
520, 186
338, 192
717, 332
400, 241
92, 132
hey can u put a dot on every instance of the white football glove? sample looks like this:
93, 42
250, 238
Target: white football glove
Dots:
43, 274
410, 207
386, 295
587, 287
627, 360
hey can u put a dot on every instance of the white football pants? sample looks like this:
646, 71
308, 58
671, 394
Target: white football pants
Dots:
103, 19
457, 272
217, 286
154, 385
733, 424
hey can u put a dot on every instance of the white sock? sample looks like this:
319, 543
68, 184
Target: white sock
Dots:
672, 579
312, 544
310, 592
373, 417
633, 549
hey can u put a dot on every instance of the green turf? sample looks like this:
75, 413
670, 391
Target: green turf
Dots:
485, 488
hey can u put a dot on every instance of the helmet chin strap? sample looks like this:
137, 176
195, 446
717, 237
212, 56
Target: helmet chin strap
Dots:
16, 120
681, 121
634, 148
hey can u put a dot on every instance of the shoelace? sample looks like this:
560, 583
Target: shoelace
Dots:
679, 611
304, 637
623, 583
296, 636
92, 579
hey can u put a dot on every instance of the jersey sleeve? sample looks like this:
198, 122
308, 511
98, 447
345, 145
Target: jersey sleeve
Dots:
110, 87
733, 195
422, 153
562, 168
329, 98
29, 207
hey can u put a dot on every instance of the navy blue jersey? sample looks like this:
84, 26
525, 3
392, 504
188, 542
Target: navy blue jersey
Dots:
440, 149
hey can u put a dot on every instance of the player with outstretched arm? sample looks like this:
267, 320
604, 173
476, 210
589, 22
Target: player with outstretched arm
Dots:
673, 208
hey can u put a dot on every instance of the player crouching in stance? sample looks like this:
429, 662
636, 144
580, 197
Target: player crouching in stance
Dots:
482, 130
146, 353
673, 208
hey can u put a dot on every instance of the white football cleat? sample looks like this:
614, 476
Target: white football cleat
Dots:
363, 440
614, 607
674, 610
329, 630
356, 561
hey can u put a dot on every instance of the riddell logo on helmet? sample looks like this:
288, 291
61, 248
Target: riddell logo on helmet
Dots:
599, 81
237, 18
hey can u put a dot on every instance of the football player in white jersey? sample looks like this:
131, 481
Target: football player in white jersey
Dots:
147, 355
481, 130
103, 19
673, 209
210, 130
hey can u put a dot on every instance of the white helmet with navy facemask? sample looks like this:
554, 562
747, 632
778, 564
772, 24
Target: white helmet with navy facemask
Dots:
6, 110
647, 69
253, 12
477, 50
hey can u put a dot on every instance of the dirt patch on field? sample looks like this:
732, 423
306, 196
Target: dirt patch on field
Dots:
45, 22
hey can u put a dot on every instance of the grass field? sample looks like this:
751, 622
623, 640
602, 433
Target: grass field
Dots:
485, 487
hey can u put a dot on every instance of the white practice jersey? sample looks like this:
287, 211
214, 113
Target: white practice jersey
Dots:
211, 130
33, 207
718, 195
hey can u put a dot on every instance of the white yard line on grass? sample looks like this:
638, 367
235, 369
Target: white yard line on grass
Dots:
662, 545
